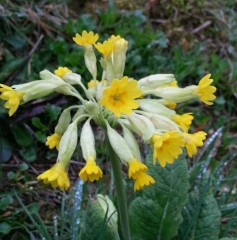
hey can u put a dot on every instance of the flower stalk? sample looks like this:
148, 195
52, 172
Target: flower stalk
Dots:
120, 189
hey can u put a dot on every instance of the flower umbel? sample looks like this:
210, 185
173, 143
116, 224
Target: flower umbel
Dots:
91, 171
12, 97
56, 176
119, 96
205, 90
53, 141
167, 147
86, 38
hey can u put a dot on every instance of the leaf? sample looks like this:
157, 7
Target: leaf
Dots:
5, 201
5, 150
201, 218
29, 153
5, 228
157, 213
22, 135
95, 226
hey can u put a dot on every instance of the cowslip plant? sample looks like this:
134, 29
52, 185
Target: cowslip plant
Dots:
145, 107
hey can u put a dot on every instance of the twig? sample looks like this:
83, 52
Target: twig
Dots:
201, 27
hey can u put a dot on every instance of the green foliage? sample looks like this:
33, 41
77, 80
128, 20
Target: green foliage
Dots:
201, 218
95, 225
157, 213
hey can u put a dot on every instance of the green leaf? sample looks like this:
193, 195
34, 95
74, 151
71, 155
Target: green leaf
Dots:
201, 218
29, 153
4, 202
5, 228
22, 135
95, 226
157, 213
5, 150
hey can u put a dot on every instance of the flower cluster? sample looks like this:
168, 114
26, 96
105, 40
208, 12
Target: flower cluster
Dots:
114, 101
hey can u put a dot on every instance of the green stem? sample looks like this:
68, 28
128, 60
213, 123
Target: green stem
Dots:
121, 195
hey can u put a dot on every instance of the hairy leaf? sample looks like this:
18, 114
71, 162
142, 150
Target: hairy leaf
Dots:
157, 213
201, 218
95, 224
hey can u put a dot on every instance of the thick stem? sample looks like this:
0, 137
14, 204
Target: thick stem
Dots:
121, 195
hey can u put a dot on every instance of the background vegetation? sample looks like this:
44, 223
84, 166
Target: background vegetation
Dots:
187, 38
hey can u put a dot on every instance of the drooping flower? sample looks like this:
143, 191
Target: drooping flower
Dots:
135, 168
56, 176
205, 90
12, 97
61, 71
142, 180
53, 141
192, 141
167, 147
184, 120
86, 38
90, 171
119, 96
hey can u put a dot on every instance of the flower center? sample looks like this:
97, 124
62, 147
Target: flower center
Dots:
116, 97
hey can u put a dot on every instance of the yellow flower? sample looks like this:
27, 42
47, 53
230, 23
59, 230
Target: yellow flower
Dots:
61, 71
53, 141
12, 97
167, 147
192, 141
143, 180
172, 84
136, 167
91, 171
56, 176
205, 91
184, 121
91, 84
86, 38
114, 38
105, 48
119, 96
169, 104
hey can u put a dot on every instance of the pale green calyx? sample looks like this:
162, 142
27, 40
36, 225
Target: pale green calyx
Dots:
90, 60
155, 80
174, 94
161, 122
68, 143
154, 106
132, 142
87, 141
141, 125
119, 57
119, 145
72, 78
63, 122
